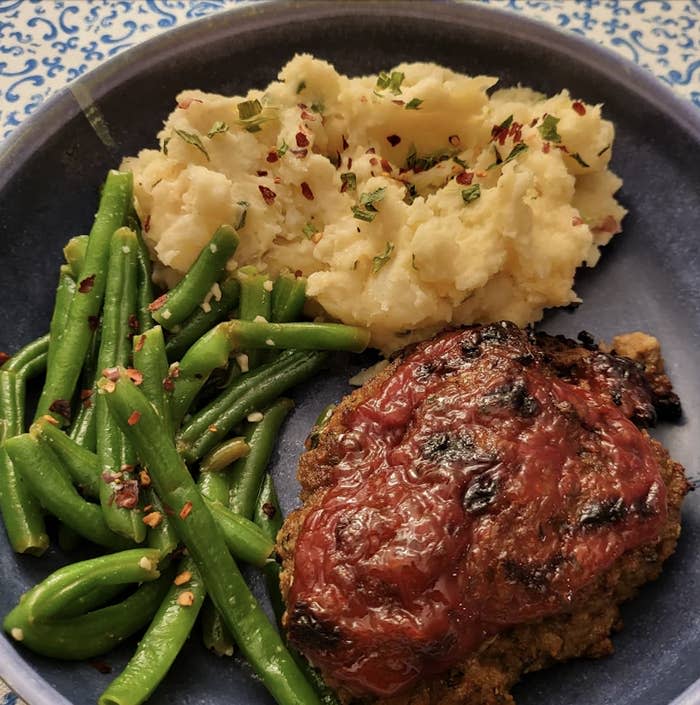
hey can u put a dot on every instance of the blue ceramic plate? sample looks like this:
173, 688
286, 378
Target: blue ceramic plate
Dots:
649, 279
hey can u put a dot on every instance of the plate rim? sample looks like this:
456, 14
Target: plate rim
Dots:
67, 102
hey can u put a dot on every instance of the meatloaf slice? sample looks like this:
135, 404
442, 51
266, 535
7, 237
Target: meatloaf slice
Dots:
475, 512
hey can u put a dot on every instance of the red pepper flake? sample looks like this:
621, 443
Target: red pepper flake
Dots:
499, 134
393, 140
101, 666
140, 343
534, 122
307, 116
371, 150
147, 223
373, 161
261, 173
134, 375
545, 147
168, 510
168, 384
186, 509
386, 165
158, 303
127, 496
277, 180
465, 178
298, 273
515, 132
111, 373
134, 418
306, 191
302, 106
61, 407
4, 357
186, 102
272, 157
349, 162
133, 322
85, 394
86, 284
49, 419
302, 140
269, 510
576, 220
398, 102
579, 107
299, 153
268, 195
454, 140
610, 225
127, 467
108, 476
345, 143
93, 322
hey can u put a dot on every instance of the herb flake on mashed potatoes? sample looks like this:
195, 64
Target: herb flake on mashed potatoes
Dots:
412, 200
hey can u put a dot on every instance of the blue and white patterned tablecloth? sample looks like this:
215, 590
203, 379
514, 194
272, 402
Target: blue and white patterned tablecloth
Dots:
44, 44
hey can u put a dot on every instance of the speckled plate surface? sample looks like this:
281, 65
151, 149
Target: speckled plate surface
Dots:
649, 279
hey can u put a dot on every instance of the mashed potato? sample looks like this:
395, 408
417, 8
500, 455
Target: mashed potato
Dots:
411, 200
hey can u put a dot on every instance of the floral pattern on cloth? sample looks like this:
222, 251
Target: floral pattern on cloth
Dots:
44, 44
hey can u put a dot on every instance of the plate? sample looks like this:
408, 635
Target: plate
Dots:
648, 278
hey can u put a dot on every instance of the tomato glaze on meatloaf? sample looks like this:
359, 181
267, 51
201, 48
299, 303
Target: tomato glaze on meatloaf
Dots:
489, 482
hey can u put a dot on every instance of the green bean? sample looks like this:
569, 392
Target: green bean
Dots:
215, 635
82, 465
223, 455
150, 359
300, 336
91, 634
26, 354
256, 637
249, 392
83, 430
244, 539
247, 473
201, 321
93, 599
181, 301
21, 511
74, 252
65, 291
67, 360
288, 298
160, 644
144, 294
46, 479
268, 516
209, 352
57, 592
256, 301
161, 536
115, 347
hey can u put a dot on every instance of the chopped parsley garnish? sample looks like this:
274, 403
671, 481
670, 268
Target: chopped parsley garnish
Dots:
506, 123
471, 194
518, 149
380, 260
391, 81
413, 104
579, 159
309, 229
217, 128
318, 107
548, 129
459, 161
282, 149
194, 139
369, 199
251, 115
301, 86
411, 193
423, 163
241, 220
349, 181
165, 145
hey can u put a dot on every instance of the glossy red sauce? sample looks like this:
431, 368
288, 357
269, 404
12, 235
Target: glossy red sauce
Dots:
470, 494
